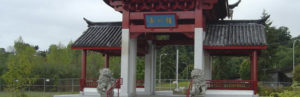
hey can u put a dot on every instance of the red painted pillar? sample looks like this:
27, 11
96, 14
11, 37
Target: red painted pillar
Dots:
106, 61
251, 66
254, 70
83, 70
199, 18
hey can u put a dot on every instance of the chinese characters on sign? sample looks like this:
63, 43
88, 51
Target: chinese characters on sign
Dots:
162, 20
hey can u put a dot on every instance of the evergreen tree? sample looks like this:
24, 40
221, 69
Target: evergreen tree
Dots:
19, 74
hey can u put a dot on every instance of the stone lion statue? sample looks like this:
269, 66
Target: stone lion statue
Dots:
105, 81
199, 83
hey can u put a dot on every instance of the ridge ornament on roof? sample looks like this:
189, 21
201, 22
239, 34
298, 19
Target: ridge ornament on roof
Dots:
232, 6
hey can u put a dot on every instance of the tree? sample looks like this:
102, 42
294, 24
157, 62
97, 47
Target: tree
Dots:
226, 68
95, 62
140, 71
20, 66
115, 66
245, 70
278, 52
168, 62
296, 74
3, 61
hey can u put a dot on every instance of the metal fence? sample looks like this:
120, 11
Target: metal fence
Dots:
275, 84
73, 85
51, 85
170, 84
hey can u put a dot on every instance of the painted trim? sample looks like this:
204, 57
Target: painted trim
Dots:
179, 14
235, 47
179, 28
98, 48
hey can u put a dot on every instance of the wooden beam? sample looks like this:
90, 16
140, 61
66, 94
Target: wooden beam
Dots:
98, 48
174, 42
229, 52
126, 21
106, 61
209, 4
235, 47
199, 14
180, 14
180, 28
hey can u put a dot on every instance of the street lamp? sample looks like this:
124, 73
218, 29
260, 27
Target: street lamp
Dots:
160, 65
177, 63
45, 80
294, 54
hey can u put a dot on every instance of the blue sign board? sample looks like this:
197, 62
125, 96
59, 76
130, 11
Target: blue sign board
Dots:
160, 20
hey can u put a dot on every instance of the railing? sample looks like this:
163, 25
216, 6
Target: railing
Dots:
109, 92
72, 85
91, 83
230, 84
189, 89
140, 84
117, 84
211, 84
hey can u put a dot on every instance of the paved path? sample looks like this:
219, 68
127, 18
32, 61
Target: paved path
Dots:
209, 93
162, 96
78, 95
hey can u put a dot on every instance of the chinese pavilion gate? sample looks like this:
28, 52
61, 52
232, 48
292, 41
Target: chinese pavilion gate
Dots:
187, 22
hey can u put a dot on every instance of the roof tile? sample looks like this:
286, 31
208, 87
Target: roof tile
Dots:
222, 33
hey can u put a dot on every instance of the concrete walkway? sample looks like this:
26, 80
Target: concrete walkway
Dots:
78, 95
209, 93
139, 94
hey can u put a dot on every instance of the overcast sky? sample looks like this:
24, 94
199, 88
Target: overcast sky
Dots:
46, 22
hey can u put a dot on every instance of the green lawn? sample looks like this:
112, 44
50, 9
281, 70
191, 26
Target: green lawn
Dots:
166, 86
38, 94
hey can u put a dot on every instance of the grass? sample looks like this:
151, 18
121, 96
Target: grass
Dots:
38, 94
166, 86
159, 86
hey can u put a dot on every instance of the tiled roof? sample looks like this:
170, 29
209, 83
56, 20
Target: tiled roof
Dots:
100, 35
235, 33
222, 33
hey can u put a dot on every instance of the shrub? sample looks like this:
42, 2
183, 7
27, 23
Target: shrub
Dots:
296, 74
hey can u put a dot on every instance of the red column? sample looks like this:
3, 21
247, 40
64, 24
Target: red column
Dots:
106, 61
126, 20
251, 66
199, 18
83, 70
254, 70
